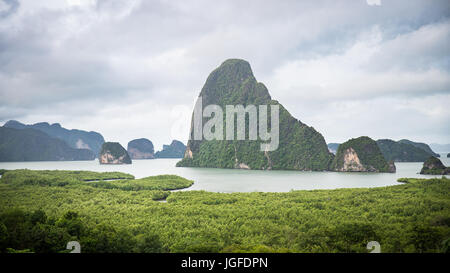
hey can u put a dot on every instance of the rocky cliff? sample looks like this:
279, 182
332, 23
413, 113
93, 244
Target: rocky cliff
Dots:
300, 147
113, 153
361, 155
141, 148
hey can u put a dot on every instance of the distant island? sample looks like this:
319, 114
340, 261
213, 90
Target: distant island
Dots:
420, 145
176, 149
34, 145
361, 155
434, 166
77, 139
113, 153
141, 148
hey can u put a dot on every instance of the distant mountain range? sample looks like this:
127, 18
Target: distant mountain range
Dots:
440, 147
76, 139
175, 150
33, 145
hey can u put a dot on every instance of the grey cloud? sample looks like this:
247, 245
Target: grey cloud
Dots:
12, 6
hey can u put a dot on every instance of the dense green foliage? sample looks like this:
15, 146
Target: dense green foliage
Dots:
434, 166
300, 147
368, 152
420, 145
74, 138
176, 149
409, 217
402, 151
117, 151
34, 145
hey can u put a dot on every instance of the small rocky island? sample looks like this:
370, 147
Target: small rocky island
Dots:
113, 153
361, 155
434, 166
141, 148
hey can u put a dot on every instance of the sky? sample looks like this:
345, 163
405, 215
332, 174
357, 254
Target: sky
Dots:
131, 69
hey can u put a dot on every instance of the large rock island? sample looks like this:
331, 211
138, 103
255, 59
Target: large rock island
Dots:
113, 153
434, 166
141, 148
301, 147
360, 155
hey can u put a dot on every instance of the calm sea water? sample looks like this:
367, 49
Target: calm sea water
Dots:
224, 180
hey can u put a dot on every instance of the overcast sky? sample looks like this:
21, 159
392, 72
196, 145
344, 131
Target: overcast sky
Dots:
132, 69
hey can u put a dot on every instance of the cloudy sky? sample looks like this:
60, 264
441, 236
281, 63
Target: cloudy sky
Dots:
131, 69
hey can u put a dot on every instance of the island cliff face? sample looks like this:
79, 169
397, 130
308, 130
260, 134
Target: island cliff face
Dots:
361, 155
434, 166
113, 153
141, 148
300, 147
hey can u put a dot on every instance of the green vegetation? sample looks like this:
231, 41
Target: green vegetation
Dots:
367, 152
300, 147
34, 145
410, 217
434, 166
57, 178
402, 151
